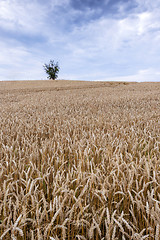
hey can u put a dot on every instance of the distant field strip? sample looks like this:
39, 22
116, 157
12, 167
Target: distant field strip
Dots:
79, 160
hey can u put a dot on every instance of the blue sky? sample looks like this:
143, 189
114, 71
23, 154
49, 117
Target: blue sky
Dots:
91, 39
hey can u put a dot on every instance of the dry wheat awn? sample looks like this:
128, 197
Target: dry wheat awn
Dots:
79, 160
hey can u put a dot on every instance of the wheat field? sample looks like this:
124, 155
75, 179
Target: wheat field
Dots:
79, 160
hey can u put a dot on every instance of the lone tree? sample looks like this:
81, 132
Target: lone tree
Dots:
52, 69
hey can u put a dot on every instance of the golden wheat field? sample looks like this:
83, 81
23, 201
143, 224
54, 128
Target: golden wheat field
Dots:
79, 160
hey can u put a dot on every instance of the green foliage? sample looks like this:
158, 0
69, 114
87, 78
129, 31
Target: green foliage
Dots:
52, 69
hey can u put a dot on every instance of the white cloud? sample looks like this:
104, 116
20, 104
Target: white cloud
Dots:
92, 48
19, 63
144, 75
12, 54
144, 5
144, 22
55, 3
25, 16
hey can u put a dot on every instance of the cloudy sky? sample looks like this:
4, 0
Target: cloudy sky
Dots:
91, 39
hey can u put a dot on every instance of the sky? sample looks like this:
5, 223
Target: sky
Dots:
102, 40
